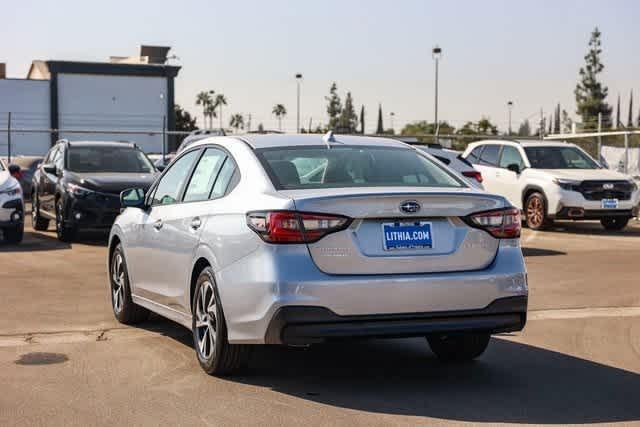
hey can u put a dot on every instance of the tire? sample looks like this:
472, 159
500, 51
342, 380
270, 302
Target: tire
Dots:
39, 223
14, 235
124, 309
215, 355
535, 212
614, 223
65, 234
459, 348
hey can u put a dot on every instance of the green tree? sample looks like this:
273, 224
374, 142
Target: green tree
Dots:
237, 122
590, 94
279, 111
567, 123
210, 112
362, 119
380, 127
334, 106
219, 102
486, 127
260, 128
426, 128
184, 122
630, 119
525, 128
204, 99
348, 121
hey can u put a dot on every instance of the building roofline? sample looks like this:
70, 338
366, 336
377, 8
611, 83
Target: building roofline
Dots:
108, 68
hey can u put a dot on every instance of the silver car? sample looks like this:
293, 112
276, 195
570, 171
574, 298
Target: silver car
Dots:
301, 239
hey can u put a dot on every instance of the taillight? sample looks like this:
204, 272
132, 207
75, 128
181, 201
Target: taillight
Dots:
501, 223
473, 174
293, 226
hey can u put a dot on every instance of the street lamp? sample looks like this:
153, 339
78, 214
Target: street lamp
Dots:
392, 116
436, 53
510, 105
298, 80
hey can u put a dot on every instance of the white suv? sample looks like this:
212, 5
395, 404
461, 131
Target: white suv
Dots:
554, 180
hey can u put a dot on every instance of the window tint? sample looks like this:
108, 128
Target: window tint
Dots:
108, 159
353, 166
170, 185
204, 175
559, 158
490, 155
510, 156
474, 155
224, 177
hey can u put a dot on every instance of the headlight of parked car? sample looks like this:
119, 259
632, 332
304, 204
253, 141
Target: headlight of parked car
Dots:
567, 184
12, 191
78, 191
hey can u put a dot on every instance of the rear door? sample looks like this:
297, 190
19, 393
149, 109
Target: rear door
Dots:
509, 185
363, 248
488, 167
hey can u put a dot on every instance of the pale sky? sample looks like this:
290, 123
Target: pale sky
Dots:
493, 51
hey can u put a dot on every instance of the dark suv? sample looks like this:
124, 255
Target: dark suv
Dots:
79, 183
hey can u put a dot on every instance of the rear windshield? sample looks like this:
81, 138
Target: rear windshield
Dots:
352, 166
559, 158
108, 159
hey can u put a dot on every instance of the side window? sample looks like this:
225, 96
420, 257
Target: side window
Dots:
510, 156
170, 185
204, 175
474, 155
490, 155
225, 175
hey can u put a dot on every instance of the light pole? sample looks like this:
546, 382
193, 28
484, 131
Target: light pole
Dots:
510, 105
298, 80
392, 116
436, 53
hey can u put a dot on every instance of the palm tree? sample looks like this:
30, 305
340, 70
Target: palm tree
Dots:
210, 111
279, 111
204, 98
237, 122
219, 102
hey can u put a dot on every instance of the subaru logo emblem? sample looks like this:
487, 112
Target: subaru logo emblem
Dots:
409, 206
607, 186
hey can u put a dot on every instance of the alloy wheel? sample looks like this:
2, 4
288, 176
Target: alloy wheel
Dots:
206, 321
117, 287
535, 212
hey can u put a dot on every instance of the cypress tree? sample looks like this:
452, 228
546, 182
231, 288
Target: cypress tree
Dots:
380, 129
556, 120
362, 119
630, 119
618, 113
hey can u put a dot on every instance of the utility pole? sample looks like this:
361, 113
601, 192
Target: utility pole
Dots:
541, 124
9, 137
248, 123
164, 139
310, 118
599, 135
298, 80
392, 114
510, 105
436, 53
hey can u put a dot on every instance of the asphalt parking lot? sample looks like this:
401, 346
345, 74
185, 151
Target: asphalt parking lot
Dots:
64, 360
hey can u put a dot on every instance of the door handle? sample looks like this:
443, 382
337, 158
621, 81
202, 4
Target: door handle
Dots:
158, 224
196, 223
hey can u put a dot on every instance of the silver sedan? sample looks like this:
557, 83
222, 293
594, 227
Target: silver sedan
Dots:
301, 239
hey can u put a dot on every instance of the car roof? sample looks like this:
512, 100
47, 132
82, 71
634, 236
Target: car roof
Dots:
258, 141
523, 142
100, 144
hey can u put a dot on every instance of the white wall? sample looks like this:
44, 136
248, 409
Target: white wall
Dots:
28, 102
113, 103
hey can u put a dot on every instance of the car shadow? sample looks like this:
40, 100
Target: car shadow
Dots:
510, 383
529, 252
34, 241
594, 228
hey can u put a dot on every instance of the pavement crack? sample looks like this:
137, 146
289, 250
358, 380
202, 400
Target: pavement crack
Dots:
101, 336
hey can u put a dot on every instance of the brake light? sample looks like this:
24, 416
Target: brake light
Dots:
295, 227
501, 223
473, 174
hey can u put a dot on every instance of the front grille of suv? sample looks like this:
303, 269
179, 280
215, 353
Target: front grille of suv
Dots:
594, 190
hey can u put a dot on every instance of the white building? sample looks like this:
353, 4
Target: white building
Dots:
131, 94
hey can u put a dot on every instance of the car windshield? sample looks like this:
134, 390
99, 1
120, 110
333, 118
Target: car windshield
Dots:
108, 159
352, 166
559, 158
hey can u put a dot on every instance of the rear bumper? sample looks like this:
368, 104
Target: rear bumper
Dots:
307, 325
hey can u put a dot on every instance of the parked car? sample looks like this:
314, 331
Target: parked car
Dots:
555, 180
28, 166
160, 162
198, 135
239, 241
455, 161
11, 206
79, 183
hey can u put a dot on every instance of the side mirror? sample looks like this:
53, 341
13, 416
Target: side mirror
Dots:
14, 171
132, 198
160, 167
50, 168
513, 167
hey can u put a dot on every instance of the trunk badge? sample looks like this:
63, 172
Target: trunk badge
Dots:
410, 206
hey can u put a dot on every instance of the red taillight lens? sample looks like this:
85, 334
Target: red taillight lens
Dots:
294, 227
502, 223
473, 174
